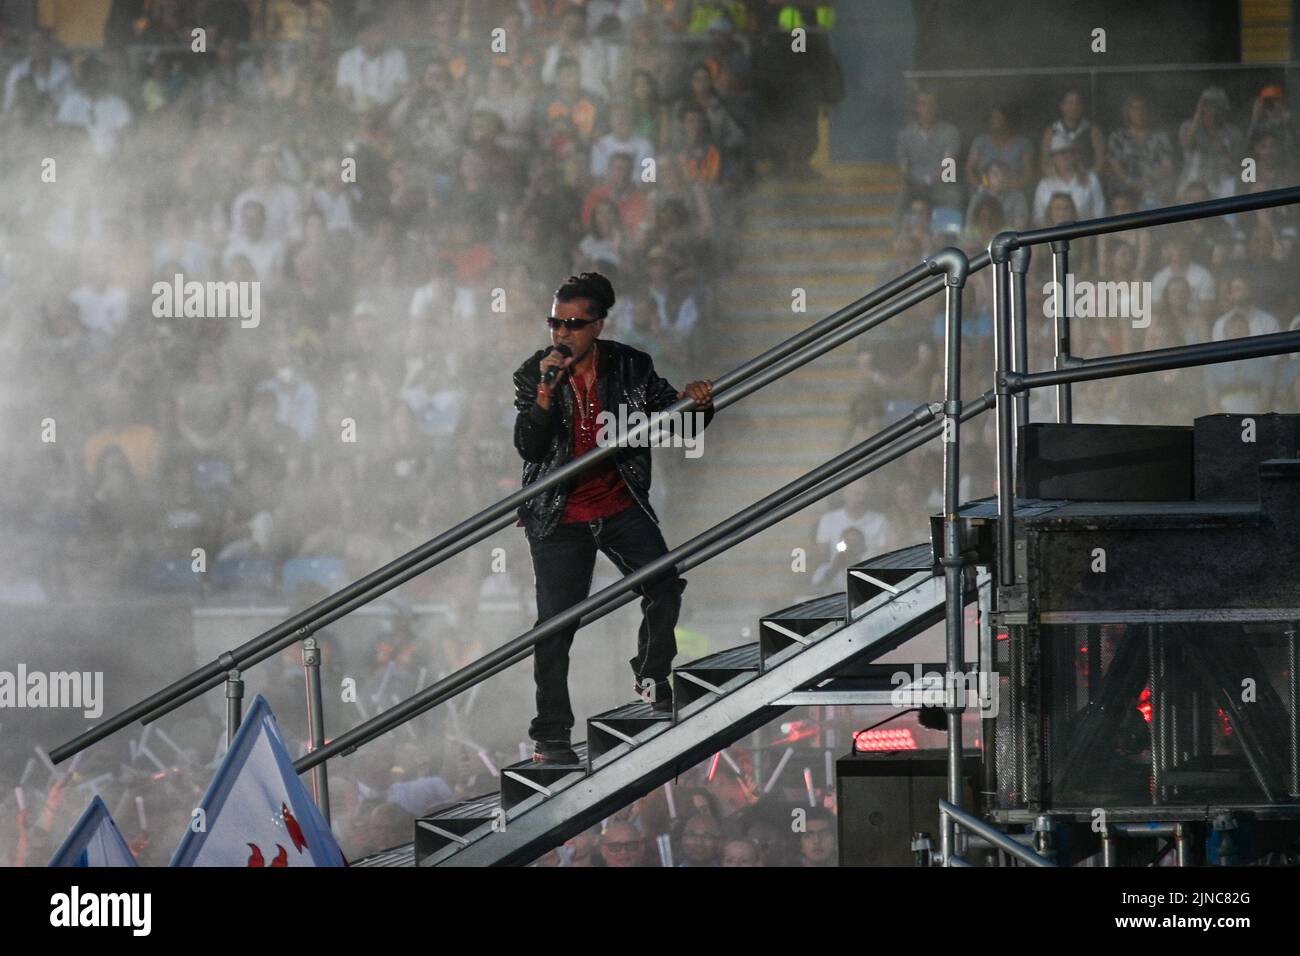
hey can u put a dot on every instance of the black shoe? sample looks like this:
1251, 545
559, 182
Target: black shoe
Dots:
662, 702
556, 753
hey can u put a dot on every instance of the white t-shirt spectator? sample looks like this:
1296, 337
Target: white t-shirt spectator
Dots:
610, 145
593, 66
1089, 203
1257, 320
1198, 279
373, 82
872, 524
266, 255
102, 118
100, 310
336, 210
283, 207
54, 82
678, 326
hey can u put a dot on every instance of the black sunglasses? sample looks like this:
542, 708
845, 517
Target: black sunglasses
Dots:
571, 324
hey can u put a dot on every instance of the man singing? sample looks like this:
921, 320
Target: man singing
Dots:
605, 508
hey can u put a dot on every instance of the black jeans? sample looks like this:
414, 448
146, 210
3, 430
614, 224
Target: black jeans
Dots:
563, 563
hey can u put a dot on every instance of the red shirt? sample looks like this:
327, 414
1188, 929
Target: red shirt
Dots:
600, 491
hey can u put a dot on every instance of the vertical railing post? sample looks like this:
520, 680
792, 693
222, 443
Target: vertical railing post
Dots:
316, 722
955, 264
1061, 316
1019, 261
999, 253
234, 705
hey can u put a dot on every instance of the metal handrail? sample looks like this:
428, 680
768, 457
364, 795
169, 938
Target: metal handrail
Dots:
776, 362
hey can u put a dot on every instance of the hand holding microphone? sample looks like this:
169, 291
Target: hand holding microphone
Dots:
554, 365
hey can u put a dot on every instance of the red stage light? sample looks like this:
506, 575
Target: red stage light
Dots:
883, 741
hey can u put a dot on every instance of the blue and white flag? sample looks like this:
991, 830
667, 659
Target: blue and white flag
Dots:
257, 812
94, 841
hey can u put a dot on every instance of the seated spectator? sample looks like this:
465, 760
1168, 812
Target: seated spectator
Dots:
516, 108
701, 841
602, 249
208, 413
1000, 144
851, 548
675, 304
1074, 129
984, 221
281, 202
1212, 146
817, 841
49, 75
1178, 262
620, 189
95, 108
1068, 176
264, 253
727, 132
1240, 387
1267, 268
742, 852
1176, 310
567, 100
1123, 202
1241, 300
372, 74
589, 53
829, 537
699, 159
101, 300
651, 117
621, 846
435, 116
1140, 158
1269, 116
622, 138
996, 184
923, 147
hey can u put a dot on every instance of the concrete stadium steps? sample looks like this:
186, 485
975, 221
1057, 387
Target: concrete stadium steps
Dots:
832, 237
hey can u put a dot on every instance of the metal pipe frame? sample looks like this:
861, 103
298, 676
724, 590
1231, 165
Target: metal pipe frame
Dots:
311, 660
1019, 263
955, 266
776, 362
234, 705
1158, 360
1061, 321
993, 835
999, 253
827, 478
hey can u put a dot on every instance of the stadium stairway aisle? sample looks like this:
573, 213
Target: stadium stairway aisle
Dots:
832, 237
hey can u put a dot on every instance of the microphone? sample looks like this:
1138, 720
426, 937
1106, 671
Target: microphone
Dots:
553, 371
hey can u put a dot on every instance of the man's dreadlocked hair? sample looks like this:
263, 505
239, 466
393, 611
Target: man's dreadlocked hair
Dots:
592, 286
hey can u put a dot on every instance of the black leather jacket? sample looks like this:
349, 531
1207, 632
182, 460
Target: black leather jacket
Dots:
544, 438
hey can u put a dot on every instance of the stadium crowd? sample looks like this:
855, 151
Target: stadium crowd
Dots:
397, 189
406, 198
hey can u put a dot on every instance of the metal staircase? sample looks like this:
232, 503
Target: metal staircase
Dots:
717, 700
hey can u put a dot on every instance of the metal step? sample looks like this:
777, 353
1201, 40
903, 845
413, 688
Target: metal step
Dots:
712, 676
449, 825
528, 778
628, 724
799, 625
884, 573
702, 727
